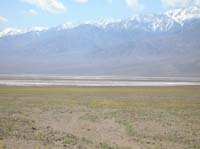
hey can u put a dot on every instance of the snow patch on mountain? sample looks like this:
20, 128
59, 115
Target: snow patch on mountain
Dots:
98, 23
105, 22
147, 22
68, 25
152, 22
183, 14
14, 31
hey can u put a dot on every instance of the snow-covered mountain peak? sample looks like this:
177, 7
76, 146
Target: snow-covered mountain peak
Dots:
68, 25
10, 31
37, 29
151, 22
183, 14
147, 22
105, 22
14, 31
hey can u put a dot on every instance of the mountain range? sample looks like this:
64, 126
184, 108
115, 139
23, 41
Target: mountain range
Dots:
165, 44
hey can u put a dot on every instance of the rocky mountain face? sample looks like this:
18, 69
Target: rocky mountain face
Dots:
166, 44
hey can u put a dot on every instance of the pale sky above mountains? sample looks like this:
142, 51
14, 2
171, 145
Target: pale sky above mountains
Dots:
29, 13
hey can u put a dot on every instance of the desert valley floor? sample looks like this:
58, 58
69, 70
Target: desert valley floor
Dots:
100, 117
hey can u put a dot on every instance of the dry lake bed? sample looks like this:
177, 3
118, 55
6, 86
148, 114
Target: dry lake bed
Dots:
166, 117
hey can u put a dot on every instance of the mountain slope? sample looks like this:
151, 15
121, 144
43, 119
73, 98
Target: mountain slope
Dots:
165, 44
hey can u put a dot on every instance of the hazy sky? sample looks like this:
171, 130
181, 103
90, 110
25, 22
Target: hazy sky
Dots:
28, 13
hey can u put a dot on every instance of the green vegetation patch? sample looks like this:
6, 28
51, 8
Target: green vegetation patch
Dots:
128, 126
70, 139
41, 137
15, 126
89, 117
107, 146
